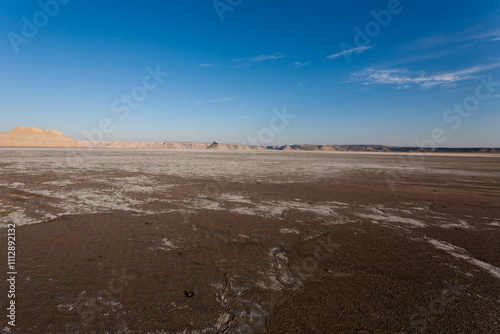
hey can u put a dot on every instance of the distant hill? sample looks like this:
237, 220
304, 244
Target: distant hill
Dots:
33, 137
305, 147
383, 148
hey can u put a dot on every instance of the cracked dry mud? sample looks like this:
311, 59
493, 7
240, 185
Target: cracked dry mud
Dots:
149, 241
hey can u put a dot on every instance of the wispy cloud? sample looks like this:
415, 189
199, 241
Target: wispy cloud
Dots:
261, 58
348, 52
205, 65
299, 64
301, 84
404, 78
268, 57
489, 35
415, 58
486, 32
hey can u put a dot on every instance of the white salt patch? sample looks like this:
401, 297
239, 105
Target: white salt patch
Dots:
463, 254
274, 210
223, 320
218, 286
459, 224
245, 211
319, 209
279, 273
19, 218
138, 189
66, 307
286, 278
331, 223
235, 198
289, 230
381, 216
57, 183
204, 205
274, 285
168, 245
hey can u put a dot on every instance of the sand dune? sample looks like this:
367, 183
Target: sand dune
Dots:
33, 137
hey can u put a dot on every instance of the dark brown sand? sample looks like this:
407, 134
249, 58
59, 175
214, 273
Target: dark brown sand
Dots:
284, 242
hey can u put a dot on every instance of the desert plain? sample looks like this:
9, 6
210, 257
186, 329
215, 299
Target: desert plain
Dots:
228, 241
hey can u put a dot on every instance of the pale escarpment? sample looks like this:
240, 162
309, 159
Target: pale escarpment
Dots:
167, 145
144, 145
23, 136
33, 137
304, 147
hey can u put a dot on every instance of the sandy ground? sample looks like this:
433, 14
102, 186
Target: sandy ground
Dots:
172, 241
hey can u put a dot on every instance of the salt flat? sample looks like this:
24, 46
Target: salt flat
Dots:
243, 241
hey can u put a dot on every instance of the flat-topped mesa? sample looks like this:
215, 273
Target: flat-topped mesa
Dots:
293, 148
22, 136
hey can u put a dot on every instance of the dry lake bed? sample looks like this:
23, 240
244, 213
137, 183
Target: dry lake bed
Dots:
212, 241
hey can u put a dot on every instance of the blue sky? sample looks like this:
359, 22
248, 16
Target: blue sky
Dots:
412, 76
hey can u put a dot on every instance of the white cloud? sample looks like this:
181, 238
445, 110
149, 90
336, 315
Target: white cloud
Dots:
403, 78
267, 57
485, 32
205, 65
261, 58
357, 50
299, 64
